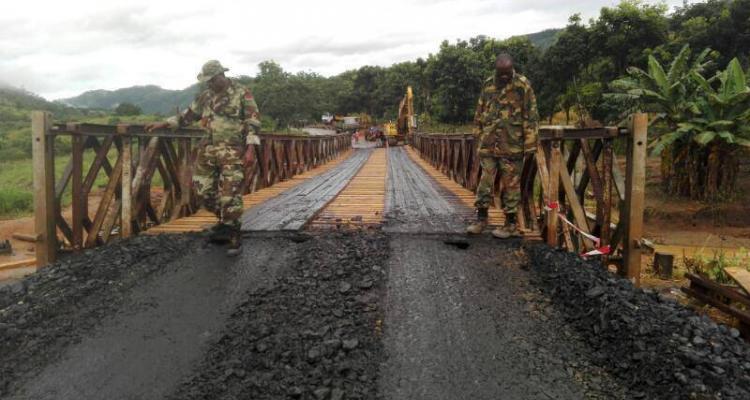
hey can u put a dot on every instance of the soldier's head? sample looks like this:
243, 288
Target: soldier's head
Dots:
504, 67
213, 74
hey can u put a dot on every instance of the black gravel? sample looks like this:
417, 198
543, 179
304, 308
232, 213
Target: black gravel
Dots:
659, 348
44, 313
314, 333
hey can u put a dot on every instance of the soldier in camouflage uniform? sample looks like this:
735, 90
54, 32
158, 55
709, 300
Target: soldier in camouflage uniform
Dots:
229, 114
506, 129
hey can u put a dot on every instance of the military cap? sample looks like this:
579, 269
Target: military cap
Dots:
210, 69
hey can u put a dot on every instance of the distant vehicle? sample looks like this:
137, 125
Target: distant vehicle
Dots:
352, 123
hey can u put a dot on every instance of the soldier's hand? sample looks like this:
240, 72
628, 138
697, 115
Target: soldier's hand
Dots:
156, 125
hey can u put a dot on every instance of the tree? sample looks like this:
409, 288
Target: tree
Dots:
455, 77
127, 109
622, 33
723, 25
562, 63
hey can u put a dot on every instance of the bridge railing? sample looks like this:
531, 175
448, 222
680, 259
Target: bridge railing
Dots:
147, 177
574, 193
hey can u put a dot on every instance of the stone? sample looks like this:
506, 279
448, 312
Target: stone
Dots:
350, 344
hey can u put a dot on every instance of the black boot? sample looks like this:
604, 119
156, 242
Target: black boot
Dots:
220, 233
235, 241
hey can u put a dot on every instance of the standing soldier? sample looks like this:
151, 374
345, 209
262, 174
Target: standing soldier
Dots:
506, 129
228, 113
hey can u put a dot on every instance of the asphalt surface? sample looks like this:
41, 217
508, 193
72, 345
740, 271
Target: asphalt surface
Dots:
458, 326
143, 351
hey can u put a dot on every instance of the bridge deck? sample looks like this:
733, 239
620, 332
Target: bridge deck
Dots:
203, 219
364, 187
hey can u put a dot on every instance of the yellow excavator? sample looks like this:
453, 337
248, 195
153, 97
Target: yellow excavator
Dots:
401, 131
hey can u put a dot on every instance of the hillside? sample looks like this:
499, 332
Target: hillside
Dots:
151, 98
544, 39
15, 119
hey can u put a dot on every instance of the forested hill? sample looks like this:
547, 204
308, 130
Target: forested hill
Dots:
22, 99
151, 98
544, 39
15, 119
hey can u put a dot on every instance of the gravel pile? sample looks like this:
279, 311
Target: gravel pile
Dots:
656, 346
312, 334
43, 313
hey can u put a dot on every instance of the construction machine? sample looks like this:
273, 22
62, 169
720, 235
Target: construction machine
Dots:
401, 132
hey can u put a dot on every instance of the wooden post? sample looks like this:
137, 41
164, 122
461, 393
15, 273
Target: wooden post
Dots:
126, 218
555, 163
635, 193
77, 198
606, 175
43, 159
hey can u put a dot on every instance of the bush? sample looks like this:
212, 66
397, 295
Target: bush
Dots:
13, 201
128, 109
12, 154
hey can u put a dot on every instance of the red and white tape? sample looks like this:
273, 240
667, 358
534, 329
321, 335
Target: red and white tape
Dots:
599, 250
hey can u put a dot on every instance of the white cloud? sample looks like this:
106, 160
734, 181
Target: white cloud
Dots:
62, 48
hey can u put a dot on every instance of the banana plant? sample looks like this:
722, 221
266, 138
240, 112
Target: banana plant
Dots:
670, 93
723, 113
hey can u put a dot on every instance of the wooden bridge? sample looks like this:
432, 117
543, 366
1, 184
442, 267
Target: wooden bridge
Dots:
579, 193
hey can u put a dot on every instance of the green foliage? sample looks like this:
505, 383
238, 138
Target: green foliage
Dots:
705, 121
15, 202
714, 267
621, 33
128, 109
670, 94
720, 114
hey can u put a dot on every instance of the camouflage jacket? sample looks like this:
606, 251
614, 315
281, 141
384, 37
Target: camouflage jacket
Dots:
506, 118
231, 115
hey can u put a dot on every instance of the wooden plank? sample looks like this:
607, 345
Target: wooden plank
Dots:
25, 237
126, 184
706, 285
635, 193
105, 202
579, 215
98, 163
77, 191
64, 180
591, 157
741, 276
555, 164
42, 149
742, 315
18, 264
606, 212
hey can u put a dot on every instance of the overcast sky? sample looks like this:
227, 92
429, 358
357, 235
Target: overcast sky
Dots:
60, 48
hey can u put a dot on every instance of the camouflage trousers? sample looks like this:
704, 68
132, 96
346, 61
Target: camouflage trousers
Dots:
217, 179
510, 178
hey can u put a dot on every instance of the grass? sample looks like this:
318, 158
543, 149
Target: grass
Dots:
16, 185
14, 202
714, 266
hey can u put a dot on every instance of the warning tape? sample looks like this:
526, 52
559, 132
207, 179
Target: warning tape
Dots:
599, 250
